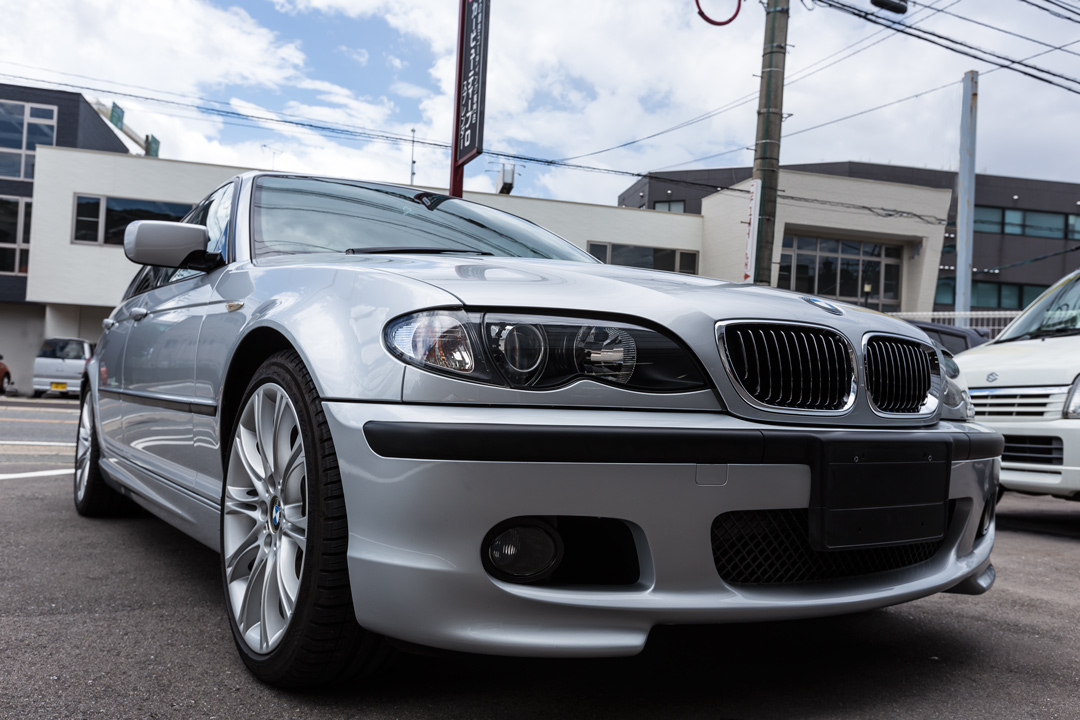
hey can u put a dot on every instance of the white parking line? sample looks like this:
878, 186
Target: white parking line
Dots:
36, 473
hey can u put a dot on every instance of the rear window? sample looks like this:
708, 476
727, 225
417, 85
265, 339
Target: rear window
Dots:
62, 350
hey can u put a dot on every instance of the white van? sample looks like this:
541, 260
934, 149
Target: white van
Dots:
1024, 385
59, 365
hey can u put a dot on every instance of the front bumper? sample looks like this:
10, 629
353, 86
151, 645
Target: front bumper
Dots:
1061, 480
417, 524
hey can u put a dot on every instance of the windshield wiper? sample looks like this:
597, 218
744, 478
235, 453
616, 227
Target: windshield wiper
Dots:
388, 250
1044, 333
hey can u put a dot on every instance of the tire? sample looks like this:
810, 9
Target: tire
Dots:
38, 393
5, 384
284, 537
93, 496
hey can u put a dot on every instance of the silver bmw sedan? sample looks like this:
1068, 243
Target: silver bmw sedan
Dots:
403, 418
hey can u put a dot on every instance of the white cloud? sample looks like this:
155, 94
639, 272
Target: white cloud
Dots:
565, 78
360, 55
179, 45
409, 90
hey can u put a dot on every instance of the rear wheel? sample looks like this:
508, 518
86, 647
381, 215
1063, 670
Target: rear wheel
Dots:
284, 538
5, 384
38, 393
93, 496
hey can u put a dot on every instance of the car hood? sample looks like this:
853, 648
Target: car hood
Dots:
1040, 362
676, 301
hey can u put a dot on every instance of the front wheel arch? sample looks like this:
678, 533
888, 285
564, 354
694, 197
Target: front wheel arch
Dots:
255, 349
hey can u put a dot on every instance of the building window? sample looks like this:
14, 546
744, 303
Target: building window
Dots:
103, 220
14, 235
861, 273
989, 295
670, 206
670, 259
1026, 222
23, 127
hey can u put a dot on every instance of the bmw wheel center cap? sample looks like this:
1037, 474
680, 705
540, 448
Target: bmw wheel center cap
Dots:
275, 515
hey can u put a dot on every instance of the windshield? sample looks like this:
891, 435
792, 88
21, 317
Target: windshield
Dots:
314, 215
1057, 312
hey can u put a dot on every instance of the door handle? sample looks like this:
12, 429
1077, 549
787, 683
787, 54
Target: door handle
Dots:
138, 313
107, 324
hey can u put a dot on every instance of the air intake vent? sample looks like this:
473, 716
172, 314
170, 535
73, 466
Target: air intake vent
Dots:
771, 547
791, 366
1033, 449
899, 374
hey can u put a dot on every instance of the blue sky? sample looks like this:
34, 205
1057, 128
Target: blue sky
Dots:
566, 77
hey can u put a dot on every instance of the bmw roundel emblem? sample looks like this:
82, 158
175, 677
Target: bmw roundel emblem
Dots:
275, 515
824, 305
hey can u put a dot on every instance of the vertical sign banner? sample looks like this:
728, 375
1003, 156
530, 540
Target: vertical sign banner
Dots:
116, 116
750, 260
472, 80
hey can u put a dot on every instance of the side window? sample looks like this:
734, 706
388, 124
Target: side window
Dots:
144, 280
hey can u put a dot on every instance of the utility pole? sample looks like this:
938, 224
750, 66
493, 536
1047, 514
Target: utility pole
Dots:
767, 147
412, 160
965, 197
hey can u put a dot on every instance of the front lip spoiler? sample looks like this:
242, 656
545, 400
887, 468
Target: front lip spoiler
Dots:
478, 442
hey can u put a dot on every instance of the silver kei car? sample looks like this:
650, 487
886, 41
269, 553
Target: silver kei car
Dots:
406, 418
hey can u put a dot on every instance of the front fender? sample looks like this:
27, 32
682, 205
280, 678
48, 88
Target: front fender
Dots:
332, 316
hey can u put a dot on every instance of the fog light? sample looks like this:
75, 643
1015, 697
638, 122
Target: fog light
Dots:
522, 550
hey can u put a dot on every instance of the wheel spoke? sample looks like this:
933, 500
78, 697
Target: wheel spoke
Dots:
238, 500
269, 604
245, 448
286, 591
251, 589
250, 543
295, 525
280, 444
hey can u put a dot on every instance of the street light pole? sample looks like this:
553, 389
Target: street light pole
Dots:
965, 197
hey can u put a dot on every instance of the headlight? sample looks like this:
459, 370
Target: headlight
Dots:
539, 352
955, 402
1072, 402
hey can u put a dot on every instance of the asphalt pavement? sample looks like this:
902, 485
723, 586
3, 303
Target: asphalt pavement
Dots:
124, 618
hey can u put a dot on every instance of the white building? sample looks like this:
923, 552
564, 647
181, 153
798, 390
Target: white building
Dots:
82, 200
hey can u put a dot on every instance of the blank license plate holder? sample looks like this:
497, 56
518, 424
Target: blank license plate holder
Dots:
880, 493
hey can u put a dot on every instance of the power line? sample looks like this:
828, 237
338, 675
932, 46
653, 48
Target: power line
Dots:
870, 110
1062, 6
797, 76
959, 46
1000, 30
343, 130
1052, 12
1032, 260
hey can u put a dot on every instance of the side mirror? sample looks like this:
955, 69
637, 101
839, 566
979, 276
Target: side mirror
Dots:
168, 244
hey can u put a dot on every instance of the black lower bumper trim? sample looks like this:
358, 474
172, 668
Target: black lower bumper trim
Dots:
572, 444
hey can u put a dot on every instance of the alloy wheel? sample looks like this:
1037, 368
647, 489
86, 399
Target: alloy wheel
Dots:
264, 528
82, 449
